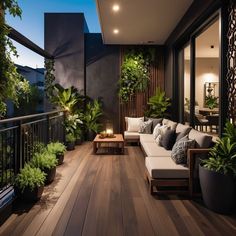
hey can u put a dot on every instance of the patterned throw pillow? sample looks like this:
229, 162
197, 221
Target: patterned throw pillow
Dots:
162, 131
146, 127
156, 131
179, 150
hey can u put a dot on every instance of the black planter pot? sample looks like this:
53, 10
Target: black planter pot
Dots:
78, 141
70, 146
50, 175
29, 195
91, 135
218, 190
60, 159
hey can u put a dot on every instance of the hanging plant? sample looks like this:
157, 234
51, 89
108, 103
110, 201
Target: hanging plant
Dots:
12, 84
135, 74
49, 78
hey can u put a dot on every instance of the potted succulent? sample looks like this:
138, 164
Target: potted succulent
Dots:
47, 162
29, 183
70, 141
57, 149
217, 173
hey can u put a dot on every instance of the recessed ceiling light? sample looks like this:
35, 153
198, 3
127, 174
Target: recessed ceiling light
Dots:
116, 7
116, 31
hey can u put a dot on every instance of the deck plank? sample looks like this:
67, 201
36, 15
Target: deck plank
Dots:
108, 195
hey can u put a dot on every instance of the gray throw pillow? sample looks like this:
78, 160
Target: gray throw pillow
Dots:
179, 150
146, 127
168, 139
155, 121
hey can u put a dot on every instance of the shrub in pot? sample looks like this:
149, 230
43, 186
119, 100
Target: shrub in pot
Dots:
29, 183
57, 149
78, 135
70, 141
217, 173
47, 162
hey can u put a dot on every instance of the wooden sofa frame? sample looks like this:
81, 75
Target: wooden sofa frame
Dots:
186, 182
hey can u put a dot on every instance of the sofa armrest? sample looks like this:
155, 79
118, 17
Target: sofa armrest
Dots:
191, 157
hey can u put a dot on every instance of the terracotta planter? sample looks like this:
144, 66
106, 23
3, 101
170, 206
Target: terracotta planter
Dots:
70, 146
218, 190
50, 175
29, 195
60, 159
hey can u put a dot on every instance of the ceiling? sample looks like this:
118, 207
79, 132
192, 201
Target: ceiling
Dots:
140, 21
204, 42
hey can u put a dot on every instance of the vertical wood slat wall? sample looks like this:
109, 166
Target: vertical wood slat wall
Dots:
137, 104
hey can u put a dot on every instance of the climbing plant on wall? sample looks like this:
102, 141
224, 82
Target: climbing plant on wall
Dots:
12, 84
135, 74
49, 78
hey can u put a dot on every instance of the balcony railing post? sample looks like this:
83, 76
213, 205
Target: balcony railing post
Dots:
19, 163
48, 129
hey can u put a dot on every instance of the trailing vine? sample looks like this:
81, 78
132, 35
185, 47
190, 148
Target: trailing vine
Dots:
49, 78
12, 84
135, 74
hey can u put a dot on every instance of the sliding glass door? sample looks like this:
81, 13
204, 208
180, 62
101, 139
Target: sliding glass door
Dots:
198, 79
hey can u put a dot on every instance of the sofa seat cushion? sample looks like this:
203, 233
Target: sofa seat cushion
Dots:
164, 167
153, 150
131, 135
146, 138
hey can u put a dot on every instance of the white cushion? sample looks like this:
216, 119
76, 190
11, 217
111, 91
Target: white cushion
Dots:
131, 135
157, 130
153, 150
134, 124
169, 123
146, 138
164, 167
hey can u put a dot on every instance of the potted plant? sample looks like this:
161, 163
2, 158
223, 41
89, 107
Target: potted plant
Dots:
90, 119
29, 183
158, 104
47, 162
211, 102
78, 136
57, 149
217, 173
70, 141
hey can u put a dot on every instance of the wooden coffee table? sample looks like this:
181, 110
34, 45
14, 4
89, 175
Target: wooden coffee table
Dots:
116, 142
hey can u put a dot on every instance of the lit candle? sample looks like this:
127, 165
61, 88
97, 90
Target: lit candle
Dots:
109, 132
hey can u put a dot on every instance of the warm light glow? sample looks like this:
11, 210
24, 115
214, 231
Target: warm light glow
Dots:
116, 8
109, 131
115, 31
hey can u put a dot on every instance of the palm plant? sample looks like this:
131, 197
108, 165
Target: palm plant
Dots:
65, 98
92, 113
158, 104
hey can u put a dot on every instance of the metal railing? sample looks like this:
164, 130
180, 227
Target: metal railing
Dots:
19, 135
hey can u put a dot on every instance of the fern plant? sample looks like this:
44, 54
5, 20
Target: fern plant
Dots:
223, 155
30, 177
158, 104
56, 148
44, 160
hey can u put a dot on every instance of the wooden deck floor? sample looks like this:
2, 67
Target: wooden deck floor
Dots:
107, 195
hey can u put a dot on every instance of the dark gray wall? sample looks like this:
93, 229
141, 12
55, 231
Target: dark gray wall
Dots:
102, 75
64, 39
